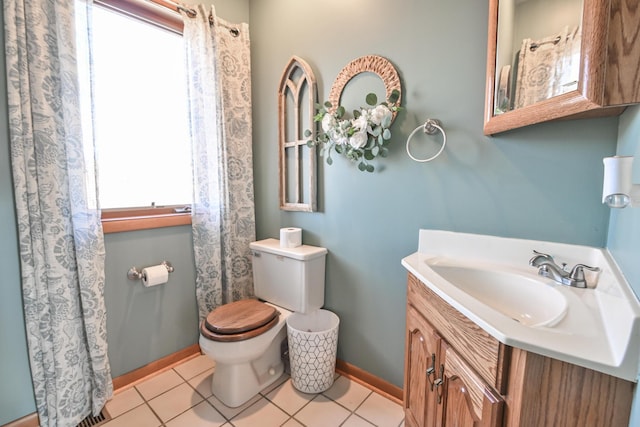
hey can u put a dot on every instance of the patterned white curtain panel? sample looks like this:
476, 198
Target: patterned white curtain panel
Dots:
548, 67
61, 242
218, 61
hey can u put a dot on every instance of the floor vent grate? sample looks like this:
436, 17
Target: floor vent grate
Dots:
92, 421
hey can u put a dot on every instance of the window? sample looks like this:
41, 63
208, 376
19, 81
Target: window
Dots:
140, 117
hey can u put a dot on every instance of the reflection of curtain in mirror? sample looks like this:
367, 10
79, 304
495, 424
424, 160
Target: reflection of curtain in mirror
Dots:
548, 67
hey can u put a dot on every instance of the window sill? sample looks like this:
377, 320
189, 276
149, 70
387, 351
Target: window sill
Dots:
144, 222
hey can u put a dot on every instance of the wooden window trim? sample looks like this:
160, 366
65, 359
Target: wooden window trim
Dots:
164, 15
155, 12
119, 220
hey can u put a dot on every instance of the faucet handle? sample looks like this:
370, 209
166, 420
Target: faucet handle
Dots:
577, 272
539, 258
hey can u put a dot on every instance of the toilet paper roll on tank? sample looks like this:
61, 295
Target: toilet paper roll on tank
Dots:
290, 237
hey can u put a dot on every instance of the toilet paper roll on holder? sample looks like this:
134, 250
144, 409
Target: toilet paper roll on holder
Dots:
135, 274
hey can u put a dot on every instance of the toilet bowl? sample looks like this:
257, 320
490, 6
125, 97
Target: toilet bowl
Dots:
245, 367
244, 338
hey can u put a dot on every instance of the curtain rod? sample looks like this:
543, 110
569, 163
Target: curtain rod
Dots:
177, 7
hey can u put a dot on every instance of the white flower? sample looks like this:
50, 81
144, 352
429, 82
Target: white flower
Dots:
328, 122
366, 113
380, 114
359, 139
338, 136
360, 124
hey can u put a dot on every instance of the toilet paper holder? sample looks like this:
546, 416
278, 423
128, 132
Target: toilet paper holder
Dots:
135, 274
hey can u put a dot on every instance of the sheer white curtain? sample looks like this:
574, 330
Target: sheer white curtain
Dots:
218, 63
61, 241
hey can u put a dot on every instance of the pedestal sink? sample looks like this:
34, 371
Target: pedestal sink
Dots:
526, 300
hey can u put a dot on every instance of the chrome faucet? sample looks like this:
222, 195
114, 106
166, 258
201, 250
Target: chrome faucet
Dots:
548, 268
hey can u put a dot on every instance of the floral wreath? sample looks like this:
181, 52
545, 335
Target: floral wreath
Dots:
360, 139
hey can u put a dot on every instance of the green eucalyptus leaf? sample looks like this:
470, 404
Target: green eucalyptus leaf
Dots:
375, 150
340, 111
384, 152
356, 114
327, 104
310, 144
386, 134
376, 131
369, 155
339, 149
386, 122
362, 166
380, 140
370, 168
307, 133
371, 99
395, 95
329, 161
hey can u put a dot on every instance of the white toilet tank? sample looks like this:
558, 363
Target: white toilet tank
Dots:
292, 278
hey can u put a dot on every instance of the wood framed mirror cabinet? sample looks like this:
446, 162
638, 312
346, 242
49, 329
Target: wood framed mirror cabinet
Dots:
603, 45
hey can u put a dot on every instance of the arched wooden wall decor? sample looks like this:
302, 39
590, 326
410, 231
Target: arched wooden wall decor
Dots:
372, 64
297, 98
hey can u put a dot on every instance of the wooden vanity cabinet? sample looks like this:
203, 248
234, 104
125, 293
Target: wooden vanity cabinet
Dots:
467, 400
456, 374
441, 389
421, 370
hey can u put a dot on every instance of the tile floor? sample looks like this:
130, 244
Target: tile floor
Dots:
181, 397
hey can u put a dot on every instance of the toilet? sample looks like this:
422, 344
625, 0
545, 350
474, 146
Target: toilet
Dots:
244, 337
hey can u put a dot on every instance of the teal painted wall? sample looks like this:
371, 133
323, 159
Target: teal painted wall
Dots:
624, 226
542, 182
145, 324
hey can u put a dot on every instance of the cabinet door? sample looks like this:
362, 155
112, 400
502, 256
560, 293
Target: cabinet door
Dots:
422, 349
468, 401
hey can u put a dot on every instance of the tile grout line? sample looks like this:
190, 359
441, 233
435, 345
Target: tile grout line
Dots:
262, 394
204, 399
351, 412
358, 407
146, 402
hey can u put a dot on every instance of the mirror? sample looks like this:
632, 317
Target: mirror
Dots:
552, 59
537, 51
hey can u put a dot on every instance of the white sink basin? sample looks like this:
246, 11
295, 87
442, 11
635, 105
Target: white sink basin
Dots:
524, 299
488, 279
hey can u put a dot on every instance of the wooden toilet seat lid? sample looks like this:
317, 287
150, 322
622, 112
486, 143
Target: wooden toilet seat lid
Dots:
239, 320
